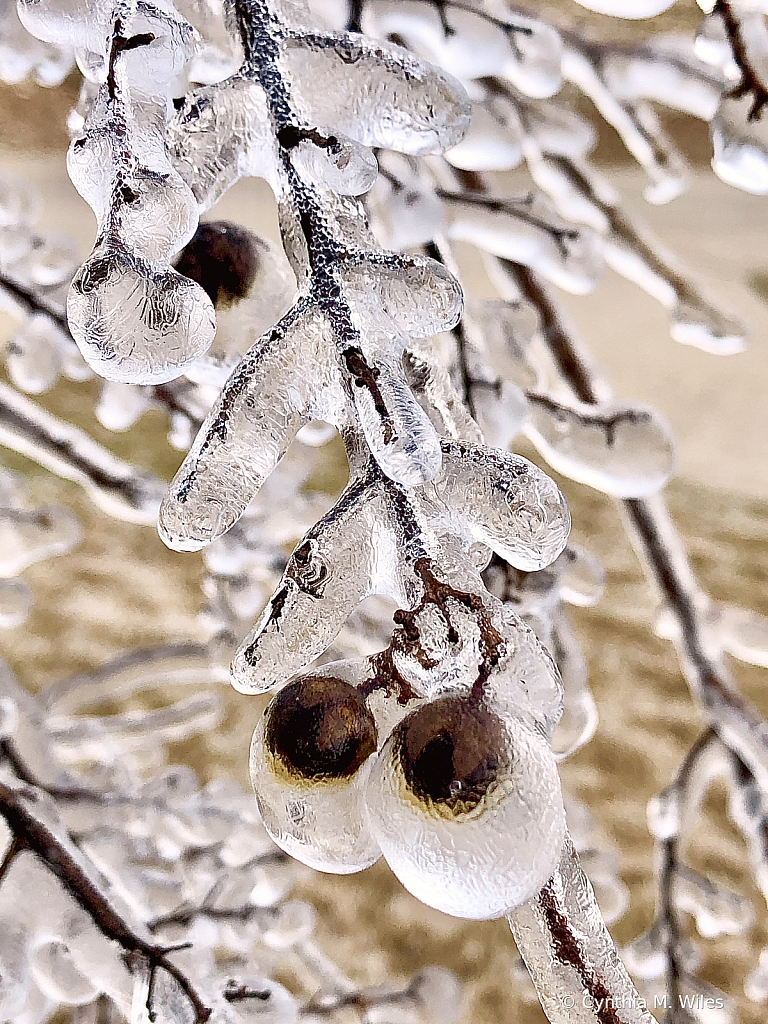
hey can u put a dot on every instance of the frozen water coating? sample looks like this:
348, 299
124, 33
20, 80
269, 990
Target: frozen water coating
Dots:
303, 369
309, 765
177, 865
371, 540
627, 452
466, 807
313, 165
133, 317
463, 796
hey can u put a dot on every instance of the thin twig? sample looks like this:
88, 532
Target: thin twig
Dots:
751, 83
61, 862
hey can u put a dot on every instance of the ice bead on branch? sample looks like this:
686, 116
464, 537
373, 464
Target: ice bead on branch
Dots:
626, 452
483, 842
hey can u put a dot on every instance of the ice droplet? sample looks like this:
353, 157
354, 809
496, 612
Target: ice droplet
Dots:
467, 808
309, 763
627, 452
136, 323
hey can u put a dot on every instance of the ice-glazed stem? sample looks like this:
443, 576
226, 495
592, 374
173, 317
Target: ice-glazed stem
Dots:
185, 664
63, 859
117, 487
570, 954
736, 721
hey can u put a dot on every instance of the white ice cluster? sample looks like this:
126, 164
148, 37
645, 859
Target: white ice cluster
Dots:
159, 897
440, 750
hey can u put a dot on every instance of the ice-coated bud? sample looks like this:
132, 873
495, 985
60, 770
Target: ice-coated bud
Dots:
309, 761
467, 808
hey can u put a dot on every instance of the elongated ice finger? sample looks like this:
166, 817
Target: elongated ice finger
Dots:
35, 354
245, 435
392, 293
580, 716
398, 431
406, 104
562, 937
636, 123
627, 451
507, 503
118, 488
337, 565
529, 232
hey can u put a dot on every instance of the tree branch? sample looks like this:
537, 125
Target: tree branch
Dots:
62, 862
751, 83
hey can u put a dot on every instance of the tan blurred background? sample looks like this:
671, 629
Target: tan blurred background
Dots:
122, 588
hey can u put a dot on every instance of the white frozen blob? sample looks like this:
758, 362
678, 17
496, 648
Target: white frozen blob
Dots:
309, 763
467, 808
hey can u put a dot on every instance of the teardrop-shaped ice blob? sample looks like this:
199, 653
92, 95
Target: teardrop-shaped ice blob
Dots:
136, 323
582, 577
744, 634
31, 535
54, 972
695, 322
34, 354
627, 452
15, 603
490, 144
627, 8
310, 757
467, 808
507, 502
534, 62
393, 295
409, 216
529, 232
740, 146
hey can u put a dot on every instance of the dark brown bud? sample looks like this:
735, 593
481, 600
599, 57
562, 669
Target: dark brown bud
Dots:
320, 727
451, 752
222, 258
